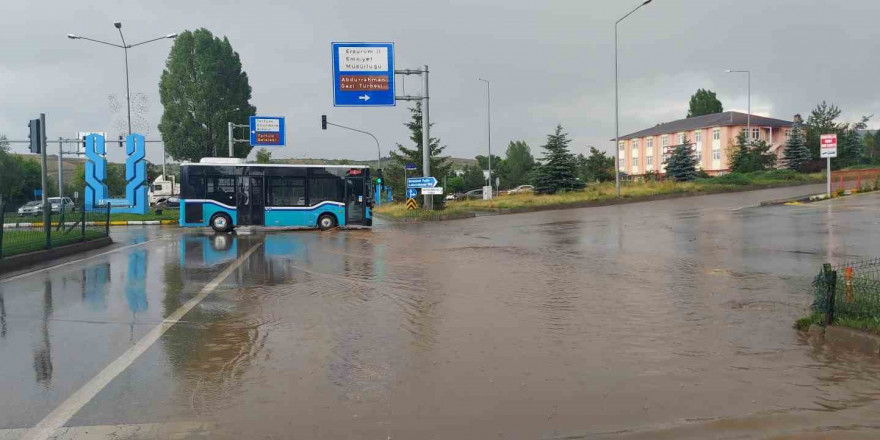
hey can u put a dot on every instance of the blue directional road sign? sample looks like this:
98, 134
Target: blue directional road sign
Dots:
412, 193
363, 74
267, 131
38, 193
410, 167
421, 182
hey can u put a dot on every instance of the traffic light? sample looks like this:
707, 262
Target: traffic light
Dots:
379, 177
34, 136
323, 122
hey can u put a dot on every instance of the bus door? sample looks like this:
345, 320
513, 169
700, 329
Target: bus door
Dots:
355, 201
251, 209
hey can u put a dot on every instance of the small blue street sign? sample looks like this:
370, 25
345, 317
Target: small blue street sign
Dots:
412, 193
267, 131
421, 182
363, 74
38, 193
410, 167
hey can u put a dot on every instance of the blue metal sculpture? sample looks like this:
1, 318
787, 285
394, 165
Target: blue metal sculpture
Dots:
135, 176
95, 171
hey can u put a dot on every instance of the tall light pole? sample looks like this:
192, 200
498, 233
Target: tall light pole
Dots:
749, 111
616, 111
489, 127
125, 48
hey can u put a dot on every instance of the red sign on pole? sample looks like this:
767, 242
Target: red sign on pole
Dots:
828, 145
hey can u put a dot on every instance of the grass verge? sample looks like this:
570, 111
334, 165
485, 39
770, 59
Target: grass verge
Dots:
603, 192
22, 241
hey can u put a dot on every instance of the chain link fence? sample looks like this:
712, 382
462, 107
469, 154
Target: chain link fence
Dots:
25, 230
850, 290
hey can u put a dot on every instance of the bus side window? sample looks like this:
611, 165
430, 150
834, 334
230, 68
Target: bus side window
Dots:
324, 189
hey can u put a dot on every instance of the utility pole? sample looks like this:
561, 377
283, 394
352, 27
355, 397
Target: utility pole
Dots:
489, 128
60, 168
231, 139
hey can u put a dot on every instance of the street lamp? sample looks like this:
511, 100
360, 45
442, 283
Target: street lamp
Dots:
489, 127
616, 111
125, 47
749, 115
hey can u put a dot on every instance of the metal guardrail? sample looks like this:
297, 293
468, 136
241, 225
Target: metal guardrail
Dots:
24, 233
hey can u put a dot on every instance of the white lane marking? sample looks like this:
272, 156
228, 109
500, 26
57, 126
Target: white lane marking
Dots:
62, 414
79, 260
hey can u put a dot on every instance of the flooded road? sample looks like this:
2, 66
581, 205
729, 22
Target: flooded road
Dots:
668, 319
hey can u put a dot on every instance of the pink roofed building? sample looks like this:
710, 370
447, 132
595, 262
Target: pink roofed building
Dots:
711, 136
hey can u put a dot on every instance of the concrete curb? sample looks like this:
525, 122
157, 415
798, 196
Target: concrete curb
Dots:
847, 338
15, 262
112, 223
593, 203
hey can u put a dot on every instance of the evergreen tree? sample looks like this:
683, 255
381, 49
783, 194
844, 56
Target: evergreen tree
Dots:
821, 121
682, 165
597, 167
473, 177
441, 166
559, 168
851, 149
746, 157
795, 151
518, 164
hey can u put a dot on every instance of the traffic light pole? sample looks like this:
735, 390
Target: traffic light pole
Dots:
324, 123
232, 140
47, 210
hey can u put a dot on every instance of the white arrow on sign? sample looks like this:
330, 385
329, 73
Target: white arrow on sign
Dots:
364, 97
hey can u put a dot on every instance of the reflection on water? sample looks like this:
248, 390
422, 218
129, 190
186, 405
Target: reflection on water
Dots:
95, 282
136, 281
43, 352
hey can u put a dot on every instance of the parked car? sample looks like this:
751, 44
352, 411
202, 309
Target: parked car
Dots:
31, 208
451, 196
522, 189
57, 204
474, 194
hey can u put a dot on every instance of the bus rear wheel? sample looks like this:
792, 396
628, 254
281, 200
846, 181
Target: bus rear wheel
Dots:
221, 223
326, 222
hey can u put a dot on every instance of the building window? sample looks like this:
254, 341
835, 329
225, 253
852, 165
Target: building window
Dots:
635, 144
649, 143
756, 133
787, 132
716, 134
698, 151
664, 140
649, 161
698, 136
622, 143
635, 161
680, 138
716, 154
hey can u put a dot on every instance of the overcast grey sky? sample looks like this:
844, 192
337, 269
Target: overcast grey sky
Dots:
550, 62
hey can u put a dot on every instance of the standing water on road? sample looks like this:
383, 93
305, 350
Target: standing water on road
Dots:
668, 319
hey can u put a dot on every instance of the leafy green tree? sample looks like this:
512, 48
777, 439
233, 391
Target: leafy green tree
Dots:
875, 151
497, 165
10, 174
202, 88
796, 153
115, 179
440, 165
682, 165
704, 102
597, 167
558, 172
264, 156
473, 177
518, 164
747, 157
821, 121
455, 185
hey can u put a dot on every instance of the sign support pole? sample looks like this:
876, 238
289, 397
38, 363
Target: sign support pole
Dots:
60, 169
47, 210
828, 174
231, 139
426, 138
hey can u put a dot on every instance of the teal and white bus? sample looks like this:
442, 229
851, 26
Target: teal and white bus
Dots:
224, 193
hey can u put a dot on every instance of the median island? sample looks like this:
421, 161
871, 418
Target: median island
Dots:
600, 194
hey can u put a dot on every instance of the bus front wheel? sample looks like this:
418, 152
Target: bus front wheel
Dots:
326, 222
221, 223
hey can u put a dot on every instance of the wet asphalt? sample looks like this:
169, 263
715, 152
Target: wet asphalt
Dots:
667, 319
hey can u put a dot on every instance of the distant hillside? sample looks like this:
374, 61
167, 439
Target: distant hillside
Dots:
68, 166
